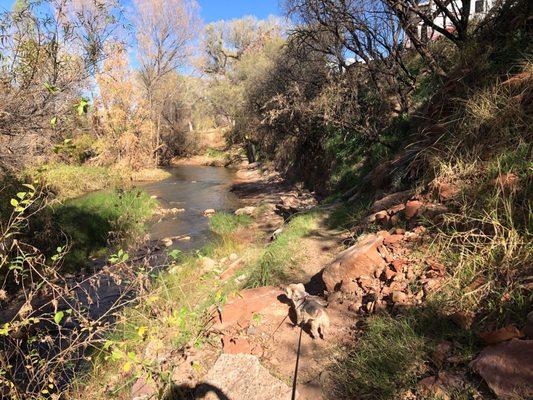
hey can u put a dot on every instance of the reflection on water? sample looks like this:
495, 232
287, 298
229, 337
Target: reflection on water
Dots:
194, 188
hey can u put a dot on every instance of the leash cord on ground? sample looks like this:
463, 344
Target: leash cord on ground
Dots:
293, 397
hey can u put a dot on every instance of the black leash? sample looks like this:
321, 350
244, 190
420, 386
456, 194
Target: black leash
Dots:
293, 397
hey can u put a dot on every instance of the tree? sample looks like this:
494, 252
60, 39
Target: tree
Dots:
49, 53
165, 31
356, 34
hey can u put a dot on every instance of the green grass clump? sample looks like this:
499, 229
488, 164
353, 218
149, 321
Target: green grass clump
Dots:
71, 181
273, 265
215, 153
225, 223
93, 221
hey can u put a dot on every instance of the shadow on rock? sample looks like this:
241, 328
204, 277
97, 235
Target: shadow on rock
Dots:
200, 391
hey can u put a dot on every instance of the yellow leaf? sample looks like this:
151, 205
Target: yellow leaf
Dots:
142, 331
127, 367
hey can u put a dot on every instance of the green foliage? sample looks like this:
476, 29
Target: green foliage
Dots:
97, 219
215, 153
393, 353
70, 181
223, 223
277, 259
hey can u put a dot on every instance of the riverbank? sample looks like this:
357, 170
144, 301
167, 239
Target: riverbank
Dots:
239, 257
69, 181
388, 298
231, 157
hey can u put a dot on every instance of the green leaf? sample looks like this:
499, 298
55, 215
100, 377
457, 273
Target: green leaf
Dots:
53, 122
174, 254
14, 202
108, 344
82, 107
51, 88
58, 317
116, 354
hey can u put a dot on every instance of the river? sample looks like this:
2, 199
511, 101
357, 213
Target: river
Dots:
195, 189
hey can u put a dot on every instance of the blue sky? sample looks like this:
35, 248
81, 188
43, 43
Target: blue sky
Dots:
214, 10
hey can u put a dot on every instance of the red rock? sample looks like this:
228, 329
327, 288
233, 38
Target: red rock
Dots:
386, 291
398, 297
389, 273
420, 230
385, 253
436, 266
391, 200
236, 346
412, 208
362, 258
392, 239
431, 285
444, 190
439, 386
518, 79
381, 215
230, 271
240, 308
432, 210
508, 183
507, 368
143, 388
240, 376
463, 318
394, 220
367, 282
443, 350
411, 237
475, 284
399, 265
501, 335
399, 286
355, 306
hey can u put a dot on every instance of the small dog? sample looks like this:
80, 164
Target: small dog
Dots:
309, 309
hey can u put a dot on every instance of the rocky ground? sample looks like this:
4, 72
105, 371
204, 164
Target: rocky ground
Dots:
254, 335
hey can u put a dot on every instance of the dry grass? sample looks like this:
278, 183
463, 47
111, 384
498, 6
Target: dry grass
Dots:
150, 175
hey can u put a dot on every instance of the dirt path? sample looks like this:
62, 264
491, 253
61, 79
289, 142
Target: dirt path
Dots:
261, 321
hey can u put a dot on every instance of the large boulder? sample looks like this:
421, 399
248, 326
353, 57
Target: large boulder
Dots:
361, 259
240, 309
241, 377
507, 368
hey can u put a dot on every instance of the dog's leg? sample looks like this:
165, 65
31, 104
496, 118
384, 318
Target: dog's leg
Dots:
314, 329
323, 330
299, 316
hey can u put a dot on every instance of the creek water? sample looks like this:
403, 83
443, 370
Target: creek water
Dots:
195, 189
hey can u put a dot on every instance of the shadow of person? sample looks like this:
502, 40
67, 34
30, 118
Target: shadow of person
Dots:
186, 392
